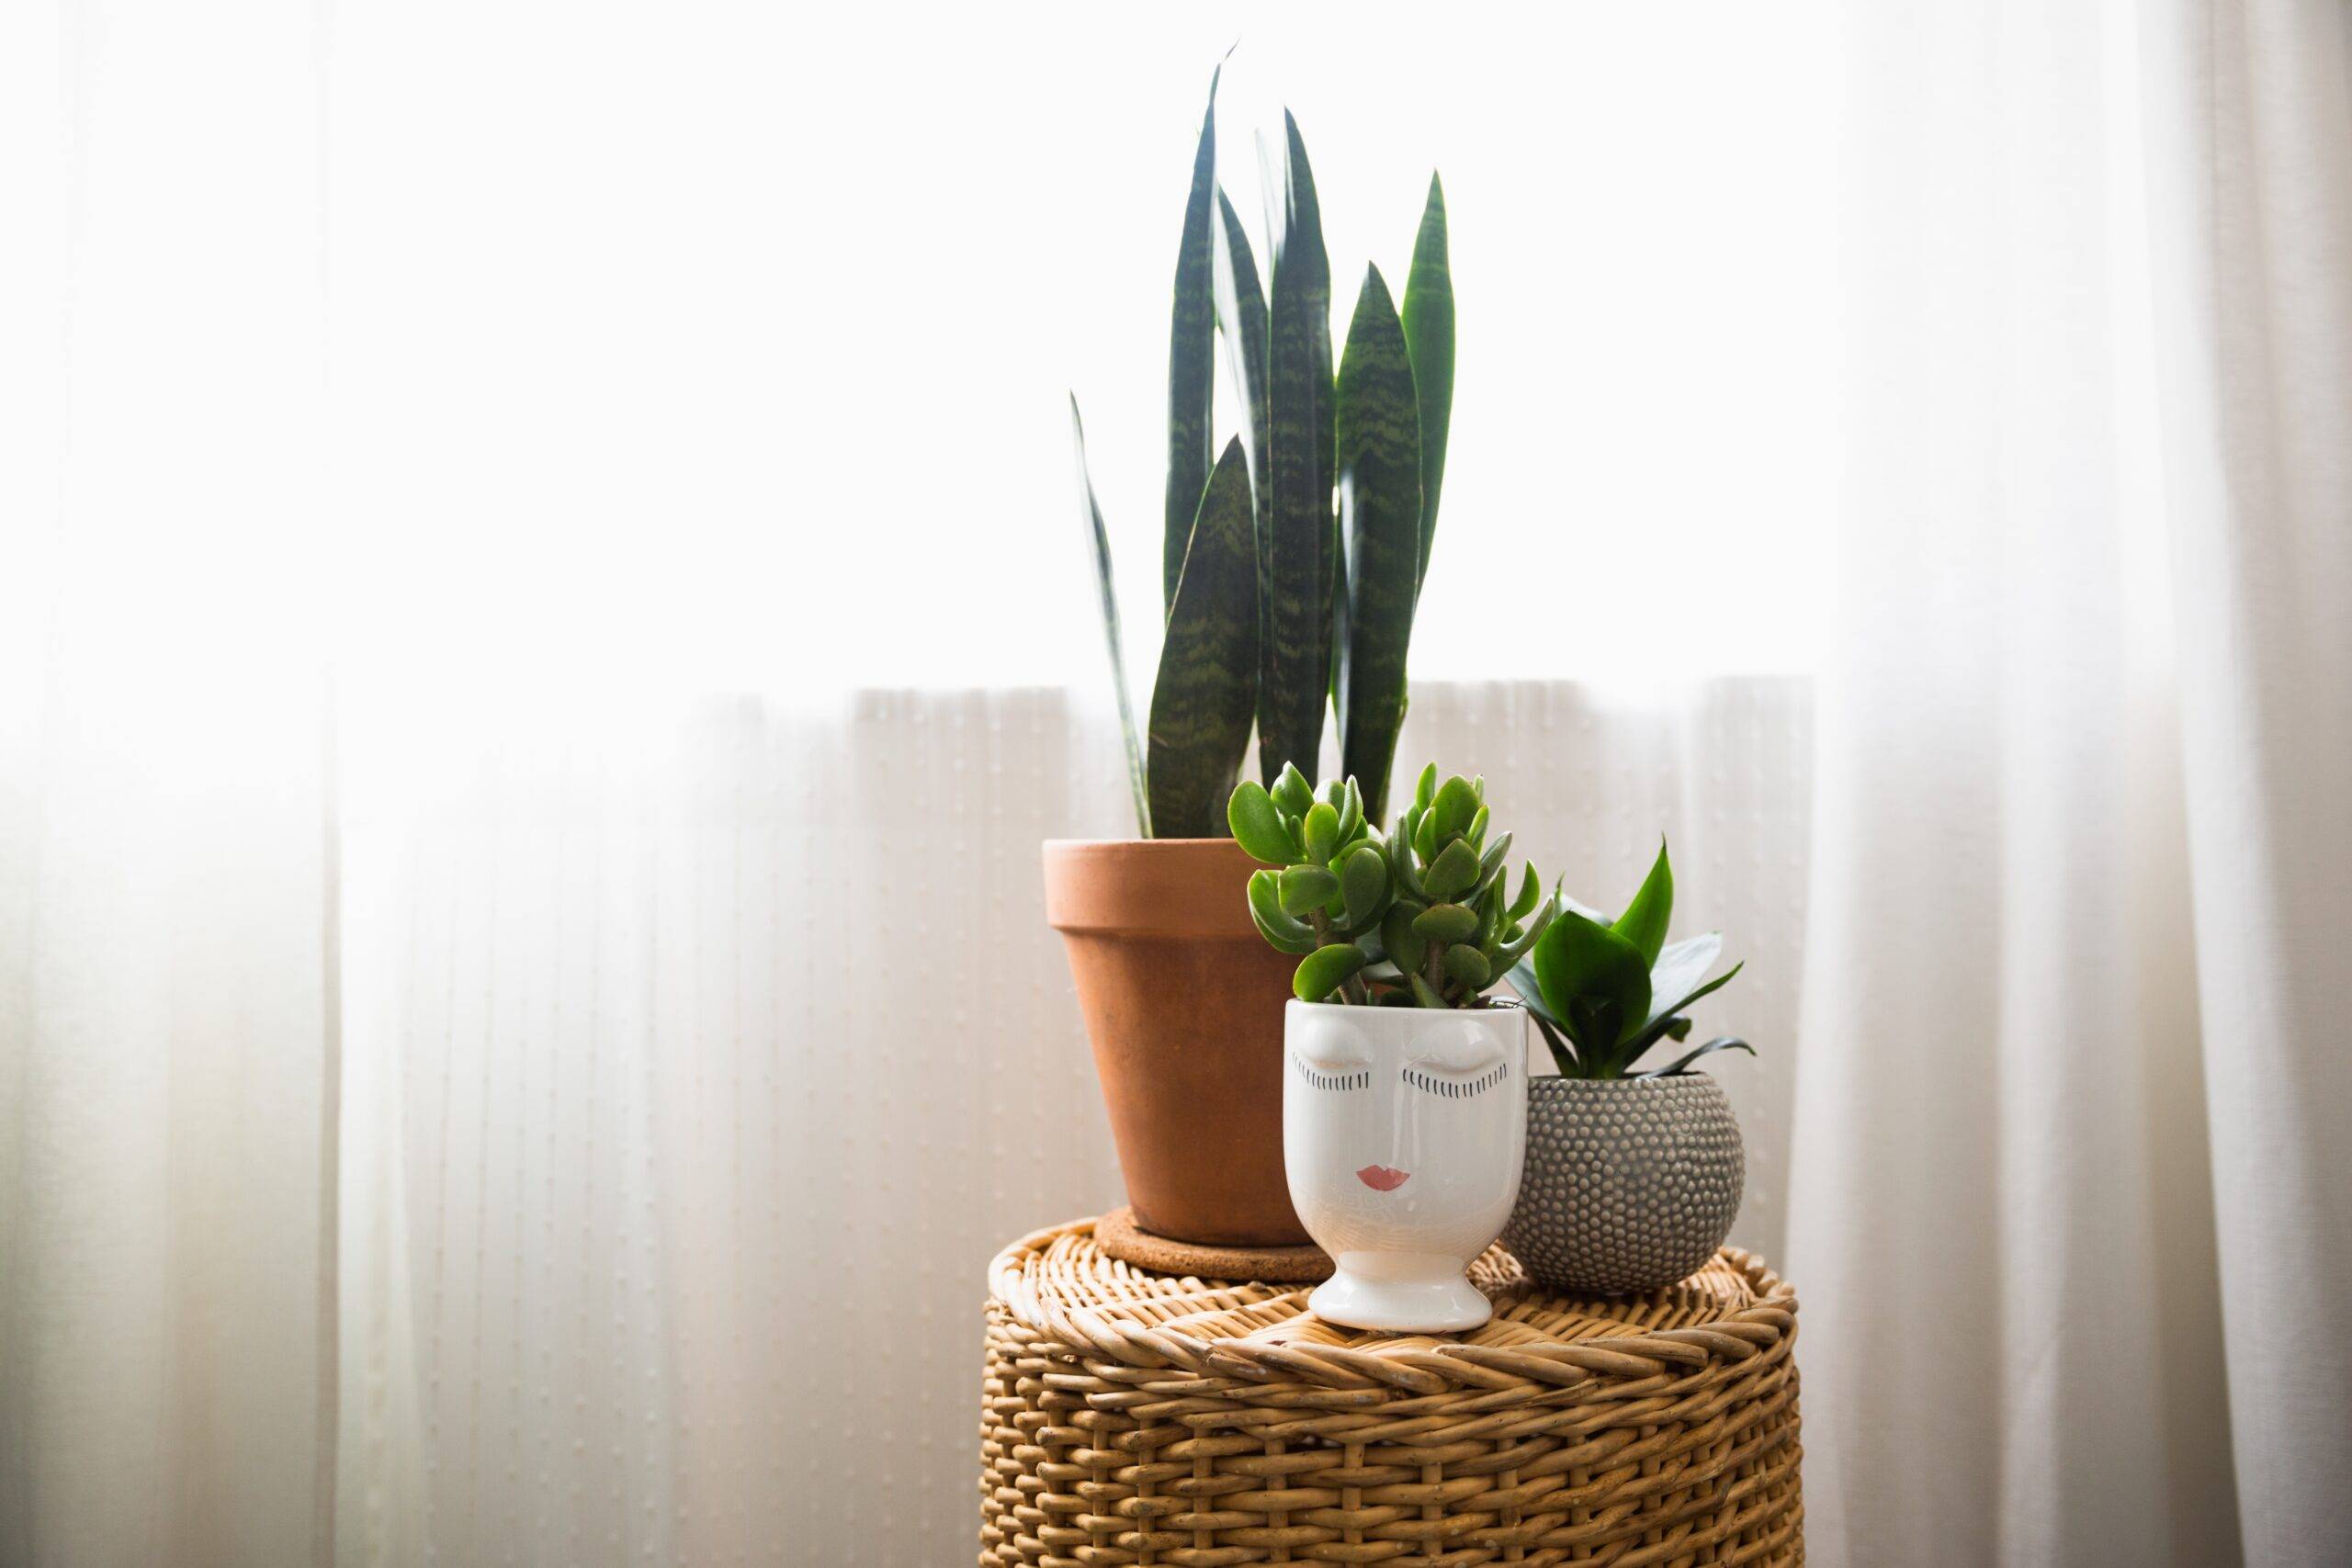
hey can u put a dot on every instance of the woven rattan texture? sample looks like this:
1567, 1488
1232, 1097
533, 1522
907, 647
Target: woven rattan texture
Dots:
1133, 1417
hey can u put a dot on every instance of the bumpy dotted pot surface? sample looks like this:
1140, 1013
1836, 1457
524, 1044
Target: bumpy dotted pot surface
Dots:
1630, 1184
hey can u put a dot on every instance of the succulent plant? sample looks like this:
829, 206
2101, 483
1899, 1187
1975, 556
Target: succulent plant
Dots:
1277, 604
1330, 884
1604, 991
1422, 917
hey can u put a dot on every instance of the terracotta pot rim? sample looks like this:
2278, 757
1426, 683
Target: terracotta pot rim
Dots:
1193, 889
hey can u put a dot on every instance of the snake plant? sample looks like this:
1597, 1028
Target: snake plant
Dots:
1292, 557
1604, 991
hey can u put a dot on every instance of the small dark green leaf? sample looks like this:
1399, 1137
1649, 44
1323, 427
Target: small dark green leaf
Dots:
1445, 922
1456, 803
1257, 827
1468, 965
1424, 994
1305, 887
1285, 934
1454, 873
1324, 970
1592, 980
1208, 666
1363, 882
1292, 791
1645, 920
1404, 945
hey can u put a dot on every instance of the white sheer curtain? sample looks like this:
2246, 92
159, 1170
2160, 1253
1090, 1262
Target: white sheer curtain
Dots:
700, 1060
2063, 1208
465, 1095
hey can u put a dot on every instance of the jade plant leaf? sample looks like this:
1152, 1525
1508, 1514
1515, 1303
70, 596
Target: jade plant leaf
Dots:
1645, 920
1429, 337
1324, 970
1202, 702
1090, 516
1379, 505
1257, 827
1296, 661
1191, 329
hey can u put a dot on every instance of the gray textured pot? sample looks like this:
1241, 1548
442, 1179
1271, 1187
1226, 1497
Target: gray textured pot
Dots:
1630, 1184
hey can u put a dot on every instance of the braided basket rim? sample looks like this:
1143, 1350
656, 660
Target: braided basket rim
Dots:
1057, 1281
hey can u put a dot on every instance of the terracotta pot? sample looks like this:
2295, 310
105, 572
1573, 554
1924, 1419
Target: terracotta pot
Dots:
1183, 1001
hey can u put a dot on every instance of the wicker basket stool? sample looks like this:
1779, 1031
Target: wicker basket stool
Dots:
1137, 1417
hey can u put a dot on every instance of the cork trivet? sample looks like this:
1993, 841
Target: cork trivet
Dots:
1117, 1234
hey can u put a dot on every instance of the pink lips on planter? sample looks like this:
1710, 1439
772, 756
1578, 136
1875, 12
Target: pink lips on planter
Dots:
1380, 1179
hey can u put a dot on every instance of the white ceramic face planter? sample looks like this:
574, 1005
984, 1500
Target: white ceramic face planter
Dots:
1403, 1132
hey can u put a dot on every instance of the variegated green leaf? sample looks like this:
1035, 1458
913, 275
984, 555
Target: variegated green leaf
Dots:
1090, 516
1190, 329
1241, 326
1202, 702
1380, 504
1295, 660
1429, 338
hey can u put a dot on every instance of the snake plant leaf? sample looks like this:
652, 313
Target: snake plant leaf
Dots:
1682, 1064
1241, 324
1208, 665
1379, 447
1257, 827
1294, 662
1090, 517
1645, 920
1192, 330
1429, 338
1592, 980
1305, 887
1324, 970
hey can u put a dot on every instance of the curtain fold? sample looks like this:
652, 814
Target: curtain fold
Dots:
2061, 1209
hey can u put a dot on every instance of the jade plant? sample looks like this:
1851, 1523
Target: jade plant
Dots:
1604, 991
1292, 557
1422, 918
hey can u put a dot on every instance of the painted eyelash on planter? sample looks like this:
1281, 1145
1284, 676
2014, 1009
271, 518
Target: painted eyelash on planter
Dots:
1358, 1079
1457, 1088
